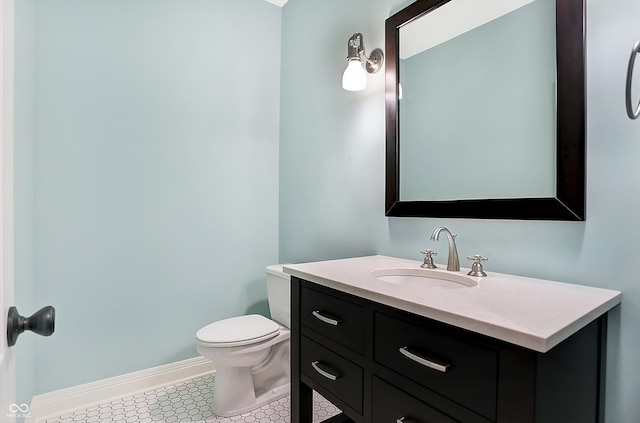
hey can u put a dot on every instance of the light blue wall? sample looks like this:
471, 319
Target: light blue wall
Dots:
154, 177
24, 113
332, 173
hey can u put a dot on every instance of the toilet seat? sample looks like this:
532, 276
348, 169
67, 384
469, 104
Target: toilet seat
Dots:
238, 331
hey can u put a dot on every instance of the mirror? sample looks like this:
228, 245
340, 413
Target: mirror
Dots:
449, 132
458, 169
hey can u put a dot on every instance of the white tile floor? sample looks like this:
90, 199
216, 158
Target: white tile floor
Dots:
186, 402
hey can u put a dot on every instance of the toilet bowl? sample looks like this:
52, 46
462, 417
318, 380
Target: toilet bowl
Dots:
251, 353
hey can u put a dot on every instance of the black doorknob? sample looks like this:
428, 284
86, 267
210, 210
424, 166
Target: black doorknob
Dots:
41, 322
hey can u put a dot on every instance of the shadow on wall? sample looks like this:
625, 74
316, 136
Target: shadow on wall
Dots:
260, 307
256, 297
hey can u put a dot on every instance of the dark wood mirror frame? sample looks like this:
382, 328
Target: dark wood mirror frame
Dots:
569, 202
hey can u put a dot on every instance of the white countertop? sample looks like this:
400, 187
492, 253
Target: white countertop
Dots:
533, 313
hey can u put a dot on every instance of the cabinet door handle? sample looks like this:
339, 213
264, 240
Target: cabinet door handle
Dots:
318, 315
324, 373
441, 367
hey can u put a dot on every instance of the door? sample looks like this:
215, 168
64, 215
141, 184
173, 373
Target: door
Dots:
8, 407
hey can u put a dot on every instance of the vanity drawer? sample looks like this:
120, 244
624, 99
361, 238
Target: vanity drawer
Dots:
337, 319
461, 371
332, 371
391, 404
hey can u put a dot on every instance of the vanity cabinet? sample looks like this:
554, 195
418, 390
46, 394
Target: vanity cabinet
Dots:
381, 364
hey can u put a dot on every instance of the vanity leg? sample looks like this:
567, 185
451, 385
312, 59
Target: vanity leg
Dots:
301, 404
301, 394
602, 365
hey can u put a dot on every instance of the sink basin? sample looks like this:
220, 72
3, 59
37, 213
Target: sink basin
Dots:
422, 278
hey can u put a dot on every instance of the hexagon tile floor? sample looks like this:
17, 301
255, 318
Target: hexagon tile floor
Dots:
186, 402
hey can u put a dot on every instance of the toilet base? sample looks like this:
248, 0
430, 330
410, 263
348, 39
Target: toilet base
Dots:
237, 390
242, 398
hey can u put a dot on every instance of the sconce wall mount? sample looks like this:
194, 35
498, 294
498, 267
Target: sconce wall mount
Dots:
354, 77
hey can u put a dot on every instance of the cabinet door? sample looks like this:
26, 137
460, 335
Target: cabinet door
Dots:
392, 405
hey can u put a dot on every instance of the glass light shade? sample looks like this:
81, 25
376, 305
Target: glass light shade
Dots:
354, 77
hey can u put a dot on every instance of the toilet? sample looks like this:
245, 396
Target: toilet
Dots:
251, 353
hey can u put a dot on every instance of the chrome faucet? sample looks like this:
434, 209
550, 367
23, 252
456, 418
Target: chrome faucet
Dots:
453, 263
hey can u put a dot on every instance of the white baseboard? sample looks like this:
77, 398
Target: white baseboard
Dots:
79, 397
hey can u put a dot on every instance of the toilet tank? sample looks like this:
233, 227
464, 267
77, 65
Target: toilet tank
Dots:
279, 294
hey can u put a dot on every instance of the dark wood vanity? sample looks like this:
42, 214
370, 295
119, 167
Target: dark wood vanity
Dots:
380, 364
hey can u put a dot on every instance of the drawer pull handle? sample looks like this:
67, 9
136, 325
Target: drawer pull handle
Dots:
323, 372
325, 319
425, 362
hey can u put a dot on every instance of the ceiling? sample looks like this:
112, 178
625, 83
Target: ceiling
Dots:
277, 2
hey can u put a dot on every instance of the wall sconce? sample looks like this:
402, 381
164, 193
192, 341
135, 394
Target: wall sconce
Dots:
354, 77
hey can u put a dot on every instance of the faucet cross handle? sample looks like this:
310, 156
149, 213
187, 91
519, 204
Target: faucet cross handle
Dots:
428, 259
477, 258
476, 267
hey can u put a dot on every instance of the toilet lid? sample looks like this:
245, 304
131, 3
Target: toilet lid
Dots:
239, 330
